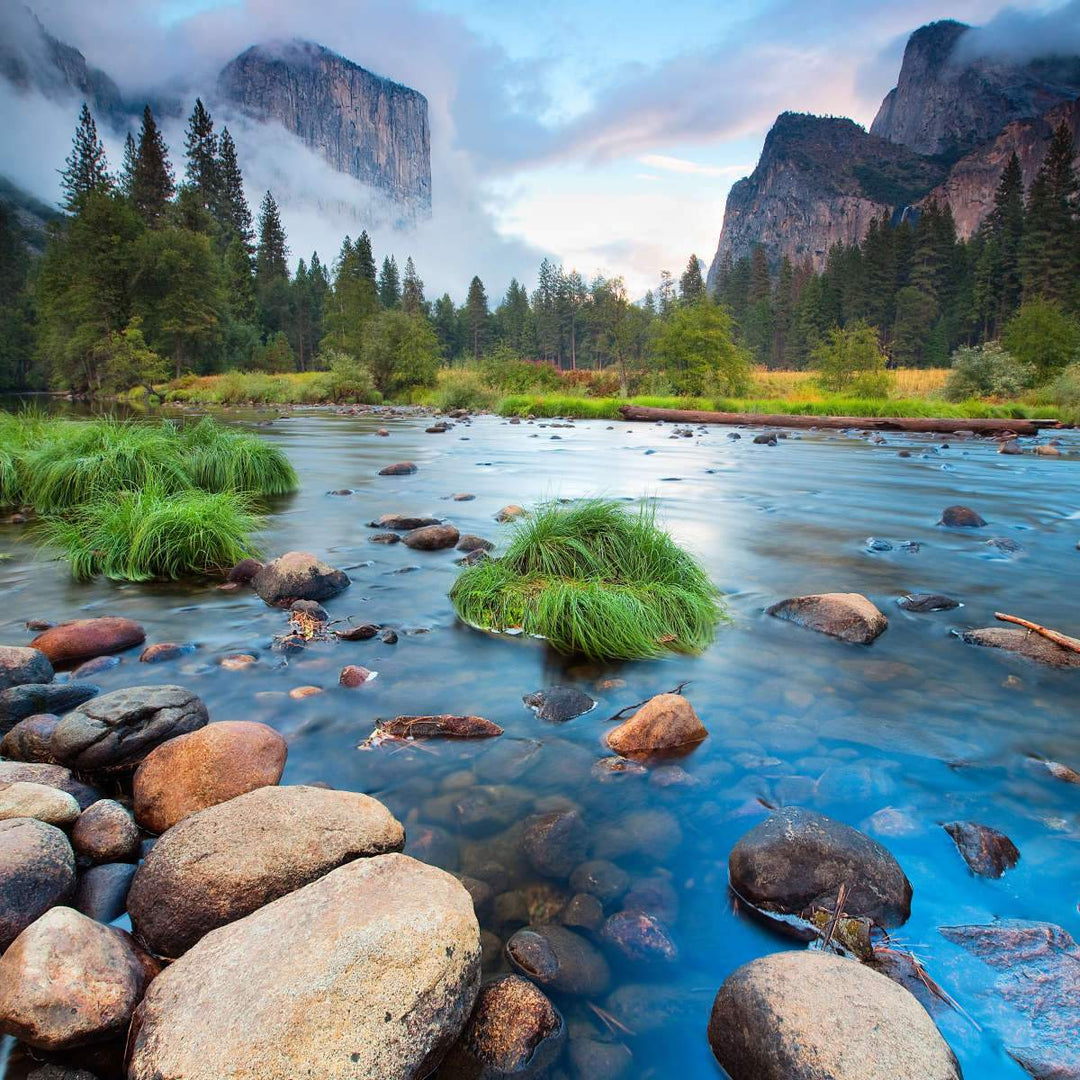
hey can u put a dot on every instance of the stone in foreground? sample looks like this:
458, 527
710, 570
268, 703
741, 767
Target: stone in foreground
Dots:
848, 616
298, 575
812, 1016
1024, 643
797, 859
83, 639
52, 775
370, 971
204, 768
29, 739
37, 871
31, 699
25, 799
68, 980
229, 860
666, 722
20, 665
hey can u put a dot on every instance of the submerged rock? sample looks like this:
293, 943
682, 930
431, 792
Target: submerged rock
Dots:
83, 639
812, 1016
849, 616
37, 871
640, 937
164, 651
400, 468
560, 959
21, 665
371, 971
555, 843
665, 722
600, 878
384, 538
924, 602
987, 852
797, 859
298, 575
961, 517
1025, 643
559, 703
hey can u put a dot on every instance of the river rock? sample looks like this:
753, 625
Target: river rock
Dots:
39, 801
20, 665
164, 651
204, 768
113, 733
353, 675
469, 543
797, 859
83, 639
89, 668
29, 739
371, 971
399, 468
298, 575
559, 959
29, 699
432, 537
555, 843
924, 602
604, 880
849, 616
229, 860
37, 871
403, 522
514, 1030
1025, 643
102, 891
510, 513
1038, 967
53, 775
961, 517
106, 832
359, 632
243, 573
987, 852
559, 703
653, 832
665, 722
596, 1059
813, 1016
639, 937
67, 980
583, 912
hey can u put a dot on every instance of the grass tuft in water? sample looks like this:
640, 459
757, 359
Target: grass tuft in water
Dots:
219, 459
593, 578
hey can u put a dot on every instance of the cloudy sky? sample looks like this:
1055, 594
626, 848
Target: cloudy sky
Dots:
603, 133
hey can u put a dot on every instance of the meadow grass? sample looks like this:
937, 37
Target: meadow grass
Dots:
593, 578
262, 388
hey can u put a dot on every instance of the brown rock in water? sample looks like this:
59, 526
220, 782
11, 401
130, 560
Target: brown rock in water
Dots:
371, 971
21, 665
639, 936
1025, 643
443, 726
353, 675
164, 651
604, 880
204, 768
665, 722
403, 522
229, 860
987, 852
432, 538
813, 1016
849, 616
560, 959
514, 1030
37, 871
89, 668
555, 843
106, 832
797, 859
298, 575
384, 538
29, 739
243, 573
510, 512
468, 542
400, 468
83, 639
360, 632
961, 517
54, 775
67, 980
25, 799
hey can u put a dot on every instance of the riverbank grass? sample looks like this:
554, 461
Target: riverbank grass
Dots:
593, 578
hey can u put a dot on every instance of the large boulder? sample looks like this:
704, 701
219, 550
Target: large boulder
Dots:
29, 739
1026, 644
26, 799
28, 699
204, 768
813, 1016
105, 833
53, 775
82, 639
229, 860
37, 871
797, 860
298, 575
664, 723
20, 665
432, 537
67, 980
849, 616
113, 733
370, 971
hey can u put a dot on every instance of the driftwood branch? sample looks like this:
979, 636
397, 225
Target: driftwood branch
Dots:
1051, 635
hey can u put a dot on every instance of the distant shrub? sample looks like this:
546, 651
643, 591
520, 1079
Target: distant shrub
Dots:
1064, 393
846, 353
1042, 335
871, 384
505, 370
695, 349
345, 380
462, 388
986, 371
594, 383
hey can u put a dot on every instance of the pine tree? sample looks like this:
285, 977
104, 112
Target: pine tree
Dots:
232, 211
365, 260
271, 257
783, 313
127, 170
476, 317
691, 284
202, 156
666, 294
152, 187
1005, 226
514, 318
412, 290
1051, 250
389, 284
86, 168
447, 326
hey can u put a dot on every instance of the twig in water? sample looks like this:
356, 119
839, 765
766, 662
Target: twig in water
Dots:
612, 1022
1051, 635
633, 708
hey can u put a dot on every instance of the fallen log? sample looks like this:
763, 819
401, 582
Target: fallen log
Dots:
934, 425
443, 726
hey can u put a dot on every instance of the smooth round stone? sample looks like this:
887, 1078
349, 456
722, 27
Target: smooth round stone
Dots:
555, 843
600, 878
24, 799
37, 871
639, 937
19, 664
559, 959
106, 832
29, 739
83, 639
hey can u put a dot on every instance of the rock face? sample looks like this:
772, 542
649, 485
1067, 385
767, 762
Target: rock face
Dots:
297, 575
362, 124
19, 665
204, 768
85, 638
113, 733
812, 1016
67, 981
229, 860
797, 859
1024, 643
665, 722
371, 971
37, 871
849, 616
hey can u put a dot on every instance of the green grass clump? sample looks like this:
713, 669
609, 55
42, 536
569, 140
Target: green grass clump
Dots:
593, 578
223, 459
155, 533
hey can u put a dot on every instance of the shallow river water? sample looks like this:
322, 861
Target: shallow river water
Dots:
895, 738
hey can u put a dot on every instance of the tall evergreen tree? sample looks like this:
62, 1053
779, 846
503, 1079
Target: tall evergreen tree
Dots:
152, 187
476, 317
691, 284
232, 210
365, 259
447, 326
412, 290
1051, 250
389, 284
127, 170
1005, 234
201, 144
86, 169
271, 257
783, 314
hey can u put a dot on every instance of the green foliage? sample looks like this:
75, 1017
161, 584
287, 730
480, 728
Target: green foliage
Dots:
847, 353
504, 369
871, 384
346, 379
1041, 334
694, 347
126, 361
593, 578
458, 388
401, 351
221, 459
987, 371
1063, 394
